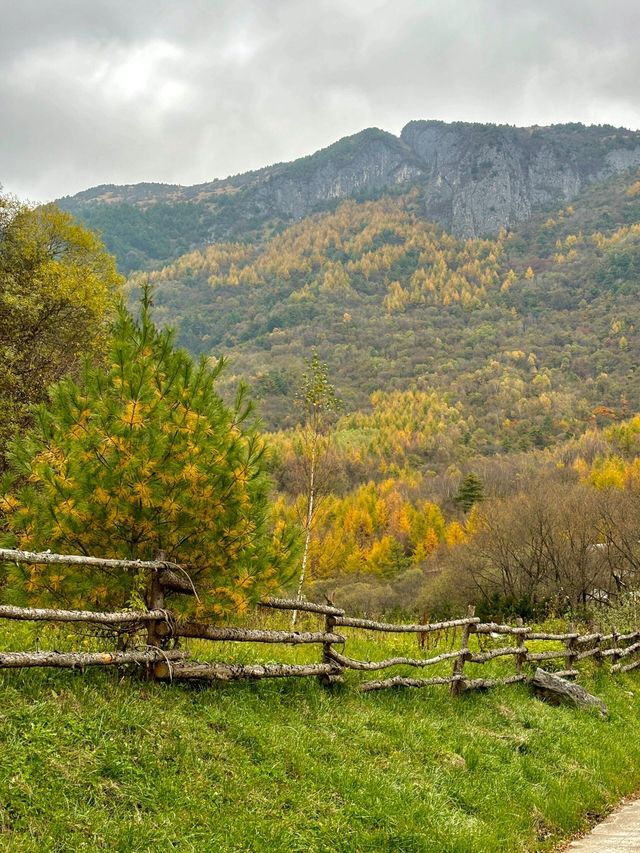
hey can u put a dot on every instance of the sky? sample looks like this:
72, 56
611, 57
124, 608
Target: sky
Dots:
184, 91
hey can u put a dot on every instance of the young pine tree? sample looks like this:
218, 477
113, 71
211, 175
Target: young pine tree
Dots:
140, 457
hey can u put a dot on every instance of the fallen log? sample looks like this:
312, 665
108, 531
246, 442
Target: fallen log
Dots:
203, 631
236, 671
300, 604
401, 681
351, 622
76, 660
552, 688
41, 614
368, 665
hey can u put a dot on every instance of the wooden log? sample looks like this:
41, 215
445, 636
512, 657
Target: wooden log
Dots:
496, 628
533, 656
551, 687
567, 673
570, 652
588, 653
623, 638
457, 674
521, 656
543, 635
155, 601
630, 650
402, 681
613, 651
300, 604
203, 631
236, 671
625, 667
366, 665
351, 622
335, 677
173, 581
485, 683
483, 657
76, 660
587, 638
42, 614
8, 555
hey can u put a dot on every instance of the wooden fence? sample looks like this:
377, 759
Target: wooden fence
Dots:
163, 628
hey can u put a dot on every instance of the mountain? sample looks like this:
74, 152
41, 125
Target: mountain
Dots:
527, 333
472, 179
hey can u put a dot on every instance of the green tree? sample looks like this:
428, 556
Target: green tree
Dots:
471, 491
57, 284
144, 456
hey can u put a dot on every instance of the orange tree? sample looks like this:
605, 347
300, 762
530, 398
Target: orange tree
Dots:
142, 456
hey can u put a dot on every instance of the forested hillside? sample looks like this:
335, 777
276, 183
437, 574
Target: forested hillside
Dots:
527, 332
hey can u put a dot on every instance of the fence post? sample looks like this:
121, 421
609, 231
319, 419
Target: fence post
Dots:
521, 657
598, 654
457, 686
571, 649
155, 602
614, 645
327, 679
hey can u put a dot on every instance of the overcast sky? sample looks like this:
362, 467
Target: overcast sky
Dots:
183, 91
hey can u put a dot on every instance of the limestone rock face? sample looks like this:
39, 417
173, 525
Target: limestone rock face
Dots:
480, 178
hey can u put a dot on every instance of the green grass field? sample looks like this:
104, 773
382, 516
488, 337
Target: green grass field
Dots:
97, 761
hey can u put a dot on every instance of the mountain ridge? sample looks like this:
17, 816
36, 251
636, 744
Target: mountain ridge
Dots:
475, 179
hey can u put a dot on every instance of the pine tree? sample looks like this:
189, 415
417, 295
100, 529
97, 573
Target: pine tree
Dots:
145, 456
471, 491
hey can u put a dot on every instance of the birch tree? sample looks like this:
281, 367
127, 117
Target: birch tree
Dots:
319, 404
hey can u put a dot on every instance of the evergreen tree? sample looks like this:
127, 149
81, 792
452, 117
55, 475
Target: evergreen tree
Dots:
139, 457
471, 491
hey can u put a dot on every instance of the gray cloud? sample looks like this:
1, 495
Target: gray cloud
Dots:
183, 91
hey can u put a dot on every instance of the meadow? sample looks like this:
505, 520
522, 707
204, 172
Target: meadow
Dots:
95, 760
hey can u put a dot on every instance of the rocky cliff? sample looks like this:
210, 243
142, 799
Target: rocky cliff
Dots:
473, 179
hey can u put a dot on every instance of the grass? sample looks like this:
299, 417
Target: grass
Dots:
93, 761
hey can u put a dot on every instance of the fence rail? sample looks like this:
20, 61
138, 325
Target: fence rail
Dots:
163, 626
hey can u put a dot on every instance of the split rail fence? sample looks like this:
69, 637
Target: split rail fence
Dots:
621, 650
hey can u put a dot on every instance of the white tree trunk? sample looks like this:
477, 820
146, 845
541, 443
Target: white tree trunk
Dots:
307, 536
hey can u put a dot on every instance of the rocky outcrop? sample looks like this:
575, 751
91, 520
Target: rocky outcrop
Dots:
480, 178
473, 179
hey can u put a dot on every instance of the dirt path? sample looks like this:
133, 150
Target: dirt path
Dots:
619, 833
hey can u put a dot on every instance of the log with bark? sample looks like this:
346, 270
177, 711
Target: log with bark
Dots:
204, 631
300, 604
402, 681
554, 689
236, 671
368, 665
42, 614
77, 660
351, 622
